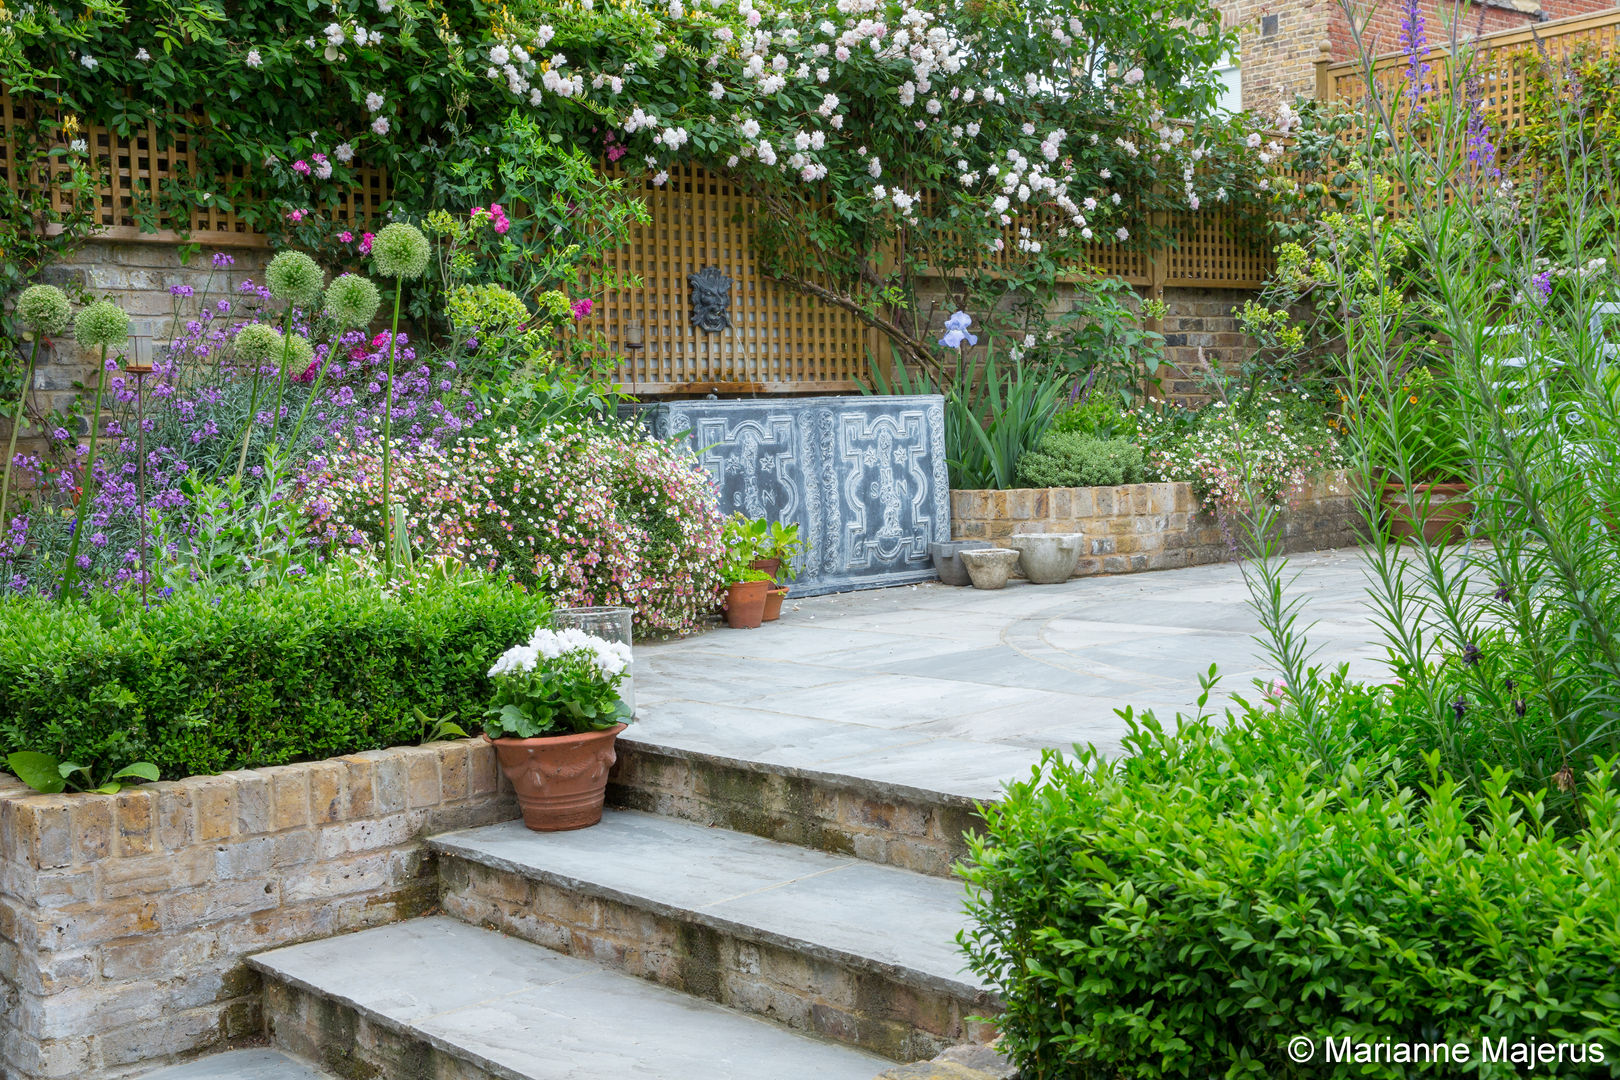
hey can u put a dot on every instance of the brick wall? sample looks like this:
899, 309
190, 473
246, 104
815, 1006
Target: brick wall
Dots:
137, 277
1279, 41
1138, 527
124, 918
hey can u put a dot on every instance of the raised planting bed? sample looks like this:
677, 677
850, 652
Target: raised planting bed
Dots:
1136, 527
125, 919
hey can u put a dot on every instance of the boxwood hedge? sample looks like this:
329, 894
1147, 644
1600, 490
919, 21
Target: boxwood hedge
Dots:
1189, 910
216, 679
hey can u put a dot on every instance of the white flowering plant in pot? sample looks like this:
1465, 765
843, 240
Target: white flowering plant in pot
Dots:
560, 682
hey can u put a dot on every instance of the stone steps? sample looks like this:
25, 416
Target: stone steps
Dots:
862, 953
241, 1065
884, 808
437, 997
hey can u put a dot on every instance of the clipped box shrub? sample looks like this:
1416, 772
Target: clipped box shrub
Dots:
1071, 459
1190, 909
217, 679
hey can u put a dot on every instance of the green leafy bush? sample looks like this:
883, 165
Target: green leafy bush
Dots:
1104, 416
1073, 460
231, 677
1190, 908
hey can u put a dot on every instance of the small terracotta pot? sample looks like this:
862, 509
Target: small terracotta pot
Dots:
561, 779
773, 603
770, 566
745, 604
1444, 517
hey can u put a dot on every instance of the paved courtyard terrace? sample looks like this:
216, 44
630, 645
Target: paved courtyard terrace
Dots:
956, 690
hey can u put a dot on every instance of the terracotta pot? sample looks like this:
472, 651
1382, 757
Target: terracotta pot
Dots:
1445, 509
560, 780
773, 603
745, 604
770, 566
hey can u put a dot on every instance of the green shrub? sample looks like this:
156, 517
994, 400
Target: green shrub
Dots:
1189, 909
228, 678
1070, 460
1099, 415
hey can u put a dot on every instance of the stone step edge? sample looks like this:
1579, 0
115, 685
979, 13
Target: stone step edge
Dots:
445, 847
388, 1023
890, 824
881, 789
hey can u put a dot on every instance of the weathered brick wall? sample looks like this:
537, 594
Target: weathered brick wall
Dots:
124, 918
137, 277
1279, 42
1138, 527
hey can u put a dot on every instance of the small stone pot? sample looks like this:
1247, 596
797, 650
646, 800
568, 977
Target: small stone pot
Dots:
989, 567
950, 568
773, 603
560, 780
745, 604
1047, 558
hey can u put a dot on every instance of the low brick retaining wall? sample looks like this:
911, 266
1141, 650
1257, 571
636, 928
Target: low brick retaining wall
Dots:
124, 918
1138, 527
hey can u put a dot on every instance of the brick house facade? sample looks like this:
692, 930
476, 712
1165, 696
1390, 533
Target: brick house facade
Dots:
1281, 40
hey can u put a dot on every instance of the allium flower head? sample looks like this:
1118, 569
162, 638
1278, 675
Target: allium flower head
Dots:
294, 278
400, 251
299, 353
44, 309
102, 323
257, 344
352, 300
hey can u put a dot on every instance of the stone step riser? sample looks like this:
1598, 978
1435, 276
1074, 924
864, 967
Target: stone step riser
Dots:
893, 827
345, 1042
826, 995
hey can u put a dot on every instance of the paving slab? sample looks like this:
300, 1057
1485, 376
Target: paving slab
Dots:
241, 1065
956, 690
824, 906
515, 1010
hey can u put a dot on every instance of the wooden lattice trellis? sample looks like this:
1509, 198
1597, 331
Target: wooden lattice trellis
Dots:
781, 340
1500, 65
140, 163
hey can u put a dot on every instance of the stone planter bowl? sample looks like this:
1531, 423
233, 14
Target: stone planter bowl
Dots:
989, 567
1047, 558
951, 570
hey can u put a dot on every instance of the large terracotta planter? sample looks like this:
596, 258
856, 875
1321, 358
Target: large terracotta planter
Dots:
770, 566
559, 780
745, 604
1445, 509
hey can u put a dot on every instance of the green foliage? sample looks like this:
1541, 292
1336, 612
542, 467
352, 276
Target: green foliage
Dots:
1073, 460
49, 776
1098, 415
987, 432
231, 677
1188, 908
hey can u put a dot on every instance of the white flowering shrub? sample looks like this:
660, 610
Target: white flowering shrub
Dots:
584, 515
561, 682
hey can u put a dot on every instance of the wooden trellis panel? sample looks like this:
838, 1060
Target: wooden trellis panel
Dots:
1500, 64
137, 166
780, 339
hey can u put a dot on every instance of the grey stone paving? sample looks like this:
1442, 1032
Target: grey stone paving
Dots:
956, 690
519, 1010
817, 904
241, 1065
